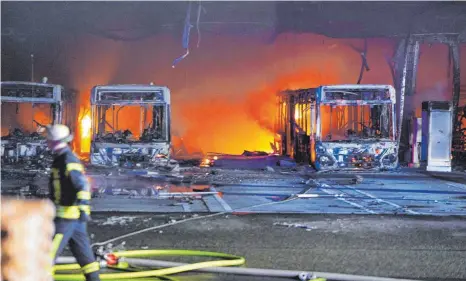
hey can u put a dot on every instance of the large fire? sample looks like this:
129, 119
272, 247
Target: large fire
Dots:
223, 93
23, 115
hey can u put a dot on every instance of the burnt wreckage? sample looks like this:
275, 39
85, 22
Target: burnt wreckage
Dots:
130, 126
339, 126
23, 103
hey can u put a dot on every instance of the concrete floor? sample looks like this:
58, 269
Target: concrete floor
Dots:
416, 247
403, 224
379, 193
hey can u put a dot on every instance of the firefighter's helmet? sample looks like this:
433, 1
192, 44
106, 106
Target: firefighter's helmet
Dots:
59, 133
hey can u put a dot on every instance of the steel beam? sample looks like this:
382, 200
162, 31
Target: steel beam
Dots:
412, 58
402, 83
443, 38
406, 71
455, 51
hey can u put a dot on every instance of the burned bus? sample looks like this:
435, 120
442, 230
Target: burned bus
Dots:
130, 125
26, 108
339, 126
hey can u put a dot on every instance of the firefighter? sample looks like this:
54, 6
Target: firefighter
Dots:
70, 191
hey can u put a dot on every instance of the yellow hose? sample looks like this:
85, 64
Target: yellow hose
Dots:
229, 260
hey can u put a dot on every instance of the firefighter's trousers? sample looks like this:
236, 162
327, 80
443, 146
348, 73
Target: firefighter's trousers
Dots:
74, 233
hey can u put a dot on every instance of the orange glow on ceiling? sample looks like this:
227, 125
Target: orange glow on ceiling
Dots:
223, 93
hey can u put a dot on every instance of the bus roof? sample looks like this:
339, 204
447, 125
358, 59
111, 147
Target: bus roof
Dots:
21, 91
316, 93
130, 94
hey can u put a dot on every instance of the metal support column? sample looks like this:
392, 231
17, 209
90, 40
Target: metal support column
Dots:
403, 83
398, 64
454, 49
406, 71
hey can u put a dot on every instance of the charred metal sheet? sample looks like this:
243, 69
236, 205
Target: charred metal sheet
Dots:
128, 155
360, 155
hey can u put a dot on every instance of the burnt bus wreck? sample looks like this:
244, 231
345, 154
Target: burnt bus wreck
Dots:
130, 125
26, 108
339, 127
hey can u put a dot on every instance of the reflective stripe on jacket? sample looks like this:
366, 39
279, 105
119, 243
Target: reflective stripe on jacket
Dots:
69, 187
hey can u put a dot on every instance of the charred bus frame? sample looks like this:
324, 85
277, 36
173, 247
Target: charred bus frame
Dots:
339, 126
112, 146
19, 145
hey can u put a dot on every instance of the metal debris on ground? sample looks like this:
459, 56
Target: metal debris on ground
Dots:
357, 179
114, 220
311, 182
296, 225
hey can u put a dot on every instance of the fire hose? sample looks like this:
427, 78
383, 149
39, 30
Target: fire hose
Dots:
122, 261
117, 261
128, 261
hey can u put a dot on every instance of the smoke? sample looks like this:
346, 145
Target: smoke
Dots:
223, 94
433, 82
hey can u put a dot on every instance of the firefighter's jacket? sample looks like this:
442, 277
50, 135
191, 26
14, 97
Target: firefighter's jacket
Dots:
69, 187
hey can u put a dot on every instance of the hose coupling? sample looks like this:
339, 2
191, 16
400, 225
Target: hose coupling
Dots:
111, 259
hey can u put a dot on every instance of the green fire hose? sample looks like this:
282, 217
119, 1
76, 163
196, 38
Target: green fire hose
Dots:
227, 260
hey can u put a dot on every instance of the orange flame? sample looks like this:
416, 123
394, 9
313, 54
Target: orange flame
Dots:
85, 133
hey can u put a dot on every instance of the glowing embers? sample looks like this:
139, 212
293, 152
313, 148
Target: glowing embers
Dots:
363, 160
208, 161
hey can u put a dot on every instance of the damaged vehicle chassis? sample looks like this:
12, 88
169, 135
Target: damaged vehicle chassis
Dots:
113, 144
19, 147
339, 127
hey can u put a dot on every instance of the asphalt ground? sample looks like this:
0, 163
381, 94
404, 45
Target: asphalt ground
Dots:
403, 246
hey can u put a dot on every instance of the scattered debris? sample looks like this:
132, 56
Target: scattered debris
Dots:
358, 179
269, 169
118, 220
254, 153
296, 225
311, 182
